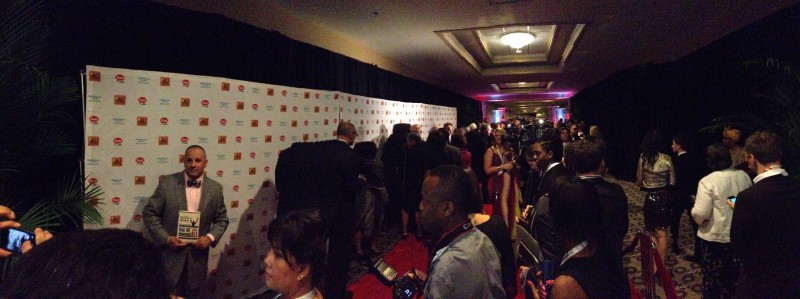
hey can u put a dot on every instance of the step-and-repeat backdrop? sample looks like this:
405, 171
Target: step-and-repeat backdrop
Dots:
138, 124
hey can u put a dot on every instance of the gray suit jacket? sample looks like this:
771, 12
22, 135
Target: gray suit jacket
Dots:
161, 218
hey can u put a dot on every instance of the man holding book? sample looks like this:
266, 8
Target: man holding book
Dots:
171, 217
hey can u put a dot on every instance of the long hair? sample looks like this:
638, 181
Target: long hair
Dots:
649, 148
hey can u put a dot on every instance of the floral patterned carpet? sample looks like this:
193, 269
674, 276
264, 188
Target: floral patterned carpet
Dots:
685, 275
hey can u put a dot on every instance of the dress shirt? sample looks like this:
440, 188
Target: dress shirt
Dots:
773, 170
193, 195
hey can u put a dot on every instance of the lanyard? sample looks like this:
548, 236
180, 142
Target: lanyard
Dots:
573, 252
446, 239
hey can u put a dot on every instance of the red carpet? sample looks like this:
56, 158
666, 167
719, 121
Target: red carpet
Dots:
404, 255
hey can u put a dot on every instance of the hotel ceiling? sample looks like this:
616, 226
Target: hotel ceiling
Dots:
455, 43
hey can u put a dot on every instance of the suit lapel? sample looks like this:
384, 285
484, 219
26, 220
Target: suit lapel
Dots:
180, 190
204, 195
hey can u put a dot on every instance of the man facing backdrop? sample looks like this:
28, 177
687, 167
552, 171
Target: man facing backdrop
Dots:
186, 264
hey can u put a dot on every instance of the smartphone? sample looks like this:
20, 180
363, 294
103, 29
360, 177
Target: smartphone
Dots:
12, 239
732, 199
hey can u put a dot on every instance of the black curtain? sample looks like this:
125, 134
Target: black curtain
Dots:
152, 36
683, 96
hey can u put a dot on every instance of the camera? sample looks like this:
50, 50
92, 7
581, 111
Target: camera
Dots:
403, 287
13, 238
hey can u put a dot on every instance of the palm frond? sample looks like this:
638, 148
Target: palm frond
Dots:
42, 214
52, 141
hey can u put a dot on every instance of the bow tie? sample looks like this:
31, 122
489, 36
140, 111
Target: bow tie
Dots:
193, 183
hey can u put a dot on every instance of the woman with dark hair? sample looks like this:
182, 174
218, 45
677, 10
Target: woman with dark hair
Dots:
296, 260
460, 142
576, 211
655, 175
499, 164
495, 228
565, 137
371, 198
711, 212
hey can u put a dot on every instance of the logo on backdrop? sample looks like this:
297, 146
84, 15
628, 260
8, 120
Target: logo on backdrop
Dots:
270, 92
238, 139
117, 141
164, 81
138, 180
93, 141
234, 204
268, 138
226, 86
115, 200
223, 122
239, 105
283, 92
164, 120
222, 139
252, 171
185, 102
120, 78
241, 88
139, 161
185, 83
184, 140
142, 101
237, 156
137, 217
119, 100
94, 76
94, 119
204, 103
141, 121
92, 181
114, 219
203, 122
255, 107
220, 173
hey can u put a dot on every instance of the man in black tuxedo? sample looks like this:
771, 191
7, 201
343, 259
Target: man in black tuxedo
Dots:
765, 232
587, 158
688, 172
322, 175
547, 160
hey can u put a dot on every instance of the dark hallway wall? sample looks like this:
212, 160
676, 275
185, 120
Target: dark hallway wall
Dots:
685, 95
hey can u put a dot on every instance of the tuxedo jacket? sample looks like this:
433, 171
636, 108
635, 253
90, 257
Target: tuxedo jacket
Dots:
320, 175
549, 179
614, 221
688, 172
765, 234
160, 215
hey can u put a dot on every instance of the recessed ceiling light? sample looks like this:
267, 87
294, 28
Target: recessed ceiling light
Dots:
517, 40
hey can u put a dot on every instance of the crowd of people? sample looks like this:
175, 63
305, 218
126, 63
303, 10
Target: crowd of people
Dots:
543, 180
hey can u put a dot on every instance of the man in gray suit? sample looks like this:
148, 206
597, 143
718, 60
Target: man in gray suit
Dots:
186, 264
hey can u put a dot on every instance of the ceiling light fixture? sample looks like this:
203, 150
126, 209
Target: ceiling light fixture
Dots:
517, 40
